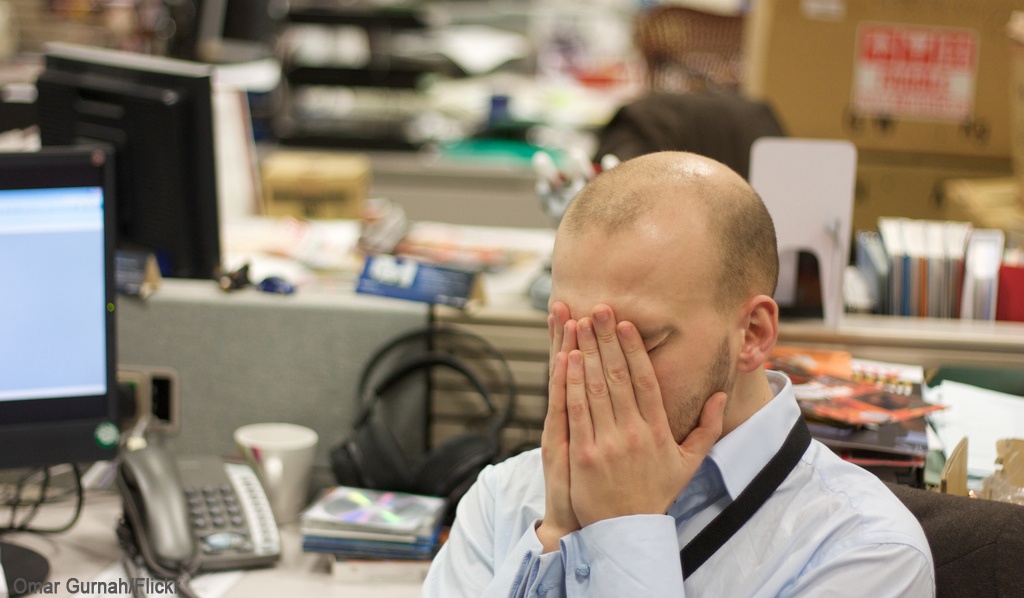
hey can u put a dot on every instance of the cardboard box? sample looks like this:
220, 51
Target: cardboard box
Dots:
311, 184
914, 185
889, 75
1015, 29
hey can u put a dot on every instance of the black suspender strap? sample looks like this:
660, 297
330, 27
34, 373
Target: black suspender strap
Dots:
760, 489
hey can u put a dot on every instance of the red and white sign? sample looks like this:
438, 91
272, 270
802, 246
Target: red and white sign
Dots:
915, 72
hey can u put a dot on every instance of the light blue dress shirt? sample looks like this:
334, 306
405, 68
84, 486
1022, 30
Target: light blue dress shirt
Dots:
831, 529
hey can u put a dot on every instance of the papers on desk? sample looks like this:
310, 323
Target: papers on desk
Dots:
983, 416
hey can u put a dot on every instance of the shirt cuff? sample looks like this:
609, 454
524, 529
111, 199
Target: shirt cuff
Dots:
637, 555
531, 574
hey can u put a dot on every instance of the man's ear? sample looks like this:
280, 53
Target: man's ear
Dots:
761, 331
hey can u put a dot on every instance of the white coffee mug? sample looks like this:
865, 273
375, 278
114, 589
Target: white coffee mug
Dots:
282, 455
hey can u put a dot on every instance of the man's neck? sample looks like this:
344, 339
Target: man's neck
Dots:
751, 392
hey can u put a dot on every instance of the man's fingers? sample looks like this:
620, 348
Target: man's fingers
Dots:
698, 442
551, 342
641, 372
556, 329
581, 427
570, 336
616, 369
595, 383
556, 426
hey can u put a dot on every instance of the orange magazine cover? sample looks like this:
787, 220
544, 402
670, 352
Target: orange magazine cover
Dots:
828, 390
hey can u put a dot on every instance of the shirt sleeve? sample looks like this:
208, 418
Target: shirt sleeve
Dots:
637, 555
877, 570
467, 565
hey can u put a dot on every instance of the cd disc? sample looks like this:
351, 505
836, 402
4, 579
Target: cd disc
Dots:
354, 506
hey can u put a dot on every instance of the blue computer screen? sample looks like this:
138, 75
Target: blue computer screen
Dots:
52, 300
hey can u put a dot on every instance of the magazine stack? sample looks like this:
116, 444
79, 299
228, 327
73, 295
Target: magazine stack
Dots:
356, 523
870, 413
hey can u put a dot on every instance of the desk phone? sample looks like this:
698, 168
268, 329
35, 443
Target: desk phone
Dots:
197, 514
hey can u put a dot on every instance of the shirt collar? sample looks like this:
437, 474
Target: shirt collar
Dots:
742, 453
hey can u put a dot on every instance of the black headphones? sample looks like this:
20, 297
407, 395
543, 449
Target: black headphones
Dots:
371, 458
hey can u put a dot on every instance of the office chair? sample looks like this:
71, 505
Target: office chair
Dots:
976, 543
719, 125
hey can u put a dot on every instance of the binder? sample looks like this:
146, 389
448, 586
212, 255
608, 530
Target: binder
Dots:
981, 274
936, 295
956, 236
891, 231
926, 261
873, 262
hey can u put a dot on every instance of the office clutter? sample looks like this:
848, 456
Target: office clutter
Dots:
350, 523
136, 273
437, 263
344, 83
309, 184
1006, 484
942, 269
870, 413
987, 418
411, 279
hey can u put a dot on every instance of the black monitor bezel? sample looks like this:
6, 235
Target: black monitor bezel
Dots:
66, 120
45, 432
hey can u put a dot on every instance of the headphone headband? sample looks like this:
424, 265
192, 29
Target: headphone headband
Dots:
431, 358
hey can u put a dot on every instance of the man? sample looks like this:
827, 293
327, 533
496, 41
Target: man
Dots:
661, 417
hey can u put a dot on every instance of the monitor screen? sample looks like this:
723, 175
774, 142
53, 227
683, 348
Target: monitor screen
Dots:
57, 358
157, 114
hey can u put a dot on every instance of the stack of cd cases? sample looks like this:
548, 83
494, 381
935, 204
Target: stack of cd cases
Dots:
373, 524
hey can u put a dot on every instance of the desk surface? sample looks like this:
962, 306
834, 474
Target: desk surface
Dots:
90, 548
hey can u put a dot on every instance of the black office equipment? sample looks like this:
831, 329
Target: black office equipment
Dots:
57, 349
157, 114
371, 457
194, 514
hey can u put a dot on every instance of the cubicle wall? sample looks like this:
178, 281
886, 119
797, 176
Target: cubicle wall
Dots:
247, 357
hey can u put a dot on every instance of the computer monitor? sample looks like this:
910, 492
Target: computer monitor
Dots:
58, 367
157, 114
237, 30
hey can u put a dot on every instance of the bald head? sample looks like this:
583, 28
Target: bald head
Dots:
738, 225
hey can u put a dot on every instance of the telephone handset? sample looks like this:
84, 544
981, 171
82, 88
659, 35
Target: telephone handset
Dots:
191, 515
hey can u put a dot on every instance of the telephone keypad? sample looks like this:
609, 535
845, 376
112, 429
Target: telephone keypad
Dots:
230, 515
210, 510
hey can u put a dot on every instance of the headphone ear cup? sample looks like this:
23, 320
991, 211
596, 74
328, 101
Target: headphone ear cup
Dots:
371, 459
452, 466
385, 465
344, 464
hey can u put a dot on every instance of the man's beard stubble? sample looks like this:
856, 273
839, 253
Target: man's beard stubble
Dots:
685, 414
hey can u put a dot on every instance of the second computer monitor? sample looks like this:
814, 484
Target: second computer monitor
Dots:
157, 114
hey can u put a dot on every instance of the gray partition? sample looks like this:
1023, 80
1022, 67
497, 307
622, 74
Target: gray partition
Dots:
247, 357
